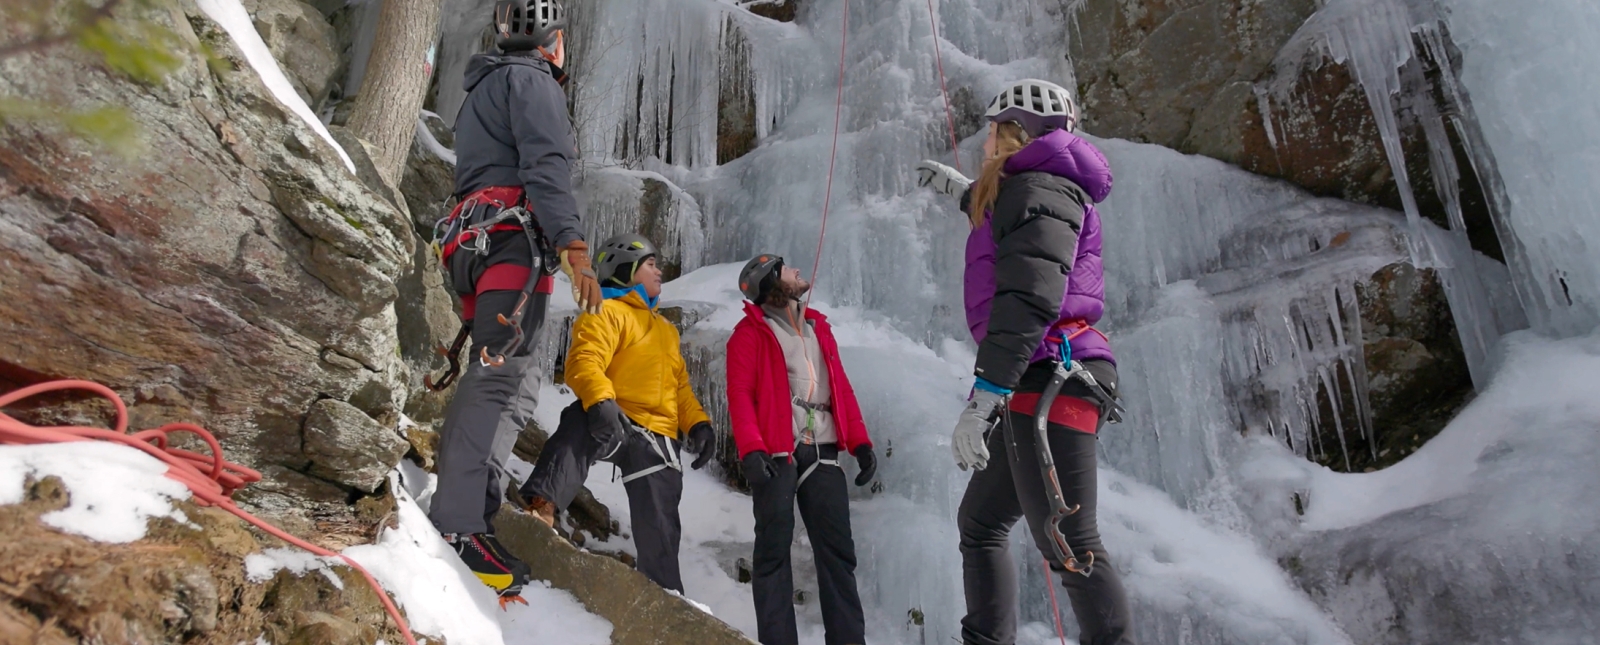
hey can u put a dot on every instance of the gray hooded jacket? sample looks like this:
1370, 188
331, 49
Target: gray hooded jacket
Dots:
513, 130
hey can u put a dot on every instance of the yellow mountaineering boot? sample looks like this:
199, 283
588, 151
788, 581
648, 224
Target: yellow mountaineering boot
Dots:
493, 564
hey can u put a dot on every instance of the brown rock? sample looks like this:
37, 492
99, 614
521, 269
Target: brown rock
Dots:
302, 41
736, 95
1198, 76
779, 10
182, 583
640, 612
320, 628
1149, 71
346, 446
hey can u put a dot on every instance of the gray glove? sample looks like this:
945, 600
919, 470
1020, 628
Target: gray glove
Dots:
947, 180
968, 441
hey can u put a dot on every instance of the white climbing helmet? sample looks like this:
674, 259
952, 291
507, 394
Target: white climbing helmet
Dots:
1038, 106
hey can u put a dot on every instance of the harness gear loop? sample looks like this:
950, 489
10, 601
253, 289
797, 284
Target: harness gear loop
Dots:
1103, 397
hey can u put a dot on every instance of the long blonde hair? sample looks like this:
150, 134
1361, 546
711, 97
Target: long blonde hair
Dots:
1009, 139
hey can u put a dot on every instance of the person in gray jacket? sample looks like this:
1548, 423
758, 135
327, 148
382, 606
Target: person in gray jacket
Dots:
515, 221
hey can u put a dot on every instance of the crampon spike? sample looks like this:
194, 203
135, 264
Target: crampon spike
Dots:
511, 599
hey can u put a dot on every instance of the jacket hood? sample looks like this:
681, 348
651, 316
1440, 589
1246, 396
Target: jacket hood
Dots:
482, 65
1069, 156
634, 296
754, 312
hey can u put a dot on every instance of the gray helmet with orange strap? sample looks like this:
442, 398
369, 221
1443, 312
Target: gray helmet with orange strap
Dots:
759, 275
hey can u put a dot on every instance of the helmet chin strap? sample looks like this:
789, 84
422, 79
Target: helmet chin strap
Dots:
560, 44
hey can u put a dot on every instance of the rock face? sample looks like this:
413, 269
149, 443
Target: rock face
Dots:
620, 200
233, 276
180, 584
1168, 72
302, 41
736, 94
1249, 83
347, 446
1417, 375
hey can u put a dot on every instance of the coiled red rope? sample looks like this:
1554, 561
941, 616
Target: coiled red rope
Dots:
212, 479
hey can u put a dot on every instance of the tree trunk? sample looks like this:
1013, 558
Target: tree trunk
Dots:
395, 83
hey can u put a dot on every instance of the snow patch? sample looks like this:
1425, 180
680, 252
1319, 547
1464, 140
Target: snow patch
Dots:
233, 18
443, 599
115, 489
432, 144
260, 567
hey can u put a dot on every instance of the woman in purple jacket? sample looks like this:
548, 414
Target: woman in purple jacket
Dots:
1033, 288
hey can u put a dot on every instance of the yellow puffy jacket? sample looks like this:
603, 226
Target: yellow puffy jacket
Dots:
628, 352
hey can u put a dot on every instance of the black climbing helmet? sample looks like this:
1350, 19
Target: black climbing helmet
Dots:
620, 255
526, 25
759, 276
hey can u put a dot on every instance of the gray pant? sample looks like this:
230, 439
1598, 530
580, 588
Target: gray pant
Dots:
490, 408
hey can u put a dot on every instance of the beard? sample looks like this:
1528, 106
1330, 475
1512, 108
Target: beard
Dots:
792, 290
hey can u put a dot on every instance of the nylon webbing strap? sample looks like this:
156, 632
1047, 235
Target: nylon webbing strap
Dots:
669, 457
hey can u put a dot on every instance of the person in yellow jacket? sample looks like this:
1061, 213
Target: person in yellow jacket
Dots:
634, 410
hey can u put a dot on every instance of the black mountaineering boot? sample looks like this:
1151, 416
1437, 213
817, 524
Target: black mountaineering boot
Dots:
492, 563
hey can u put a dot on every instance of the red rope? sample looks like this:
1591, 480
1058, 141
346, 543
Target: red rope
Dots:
938, 59
833, 155
1055, 609
212, 479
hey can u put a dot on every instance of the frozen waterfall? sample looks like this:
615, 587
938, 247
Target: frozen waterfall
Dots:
1230, 305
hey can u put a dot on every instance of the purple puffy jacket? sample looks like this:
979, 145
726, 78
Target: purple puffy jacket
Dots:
1069, 156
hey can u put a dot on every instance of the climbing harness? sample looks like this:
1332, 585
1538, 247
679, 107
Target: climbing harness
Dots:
212, 479
809, 469
468, 227
669, 457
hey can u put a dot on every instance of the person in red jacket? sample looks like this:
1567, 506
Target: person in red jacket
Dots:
793, 411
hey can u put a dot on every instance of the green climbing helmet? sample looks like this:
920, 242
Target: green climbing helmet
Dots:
619, 256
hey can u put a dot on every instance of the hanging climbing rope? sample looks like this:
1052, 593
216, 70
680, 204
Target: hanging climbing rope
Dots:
938, 60
833, 154
212, 480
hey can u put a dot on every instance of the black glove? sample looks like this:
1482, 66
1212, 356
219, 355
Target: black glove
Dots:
759, 469
702, 438
607, 423
868, 462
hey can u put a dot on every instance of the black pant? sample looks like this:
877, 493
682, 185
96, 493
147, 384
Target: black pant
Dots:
652, 499
1010, 488
825, 508
490, 406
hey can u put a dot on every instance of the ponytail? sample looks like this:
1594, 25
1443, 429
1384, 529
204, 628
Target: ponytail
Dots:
1009, 139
